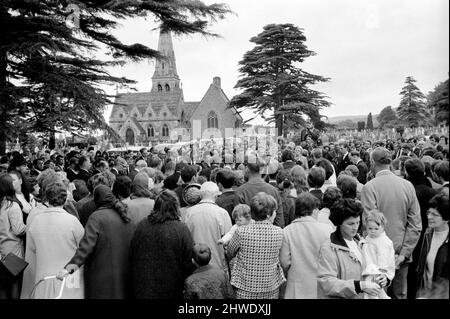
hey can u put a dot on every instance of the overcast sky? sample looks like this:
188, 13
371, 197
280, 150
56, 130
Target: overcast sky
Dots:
366, 47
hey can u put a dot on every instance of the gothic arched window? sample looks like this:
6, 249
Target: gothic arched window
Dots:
150, 131
165, 130
213, 122
159, 88
167, 87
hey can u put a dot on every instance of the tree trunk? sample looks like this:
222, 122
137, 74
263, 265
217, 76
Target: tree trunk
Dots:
52, 140
3, 101
279, 124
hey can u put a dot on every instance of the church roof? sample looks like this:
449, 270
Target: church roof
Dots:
142, 100
189, 109
138, 125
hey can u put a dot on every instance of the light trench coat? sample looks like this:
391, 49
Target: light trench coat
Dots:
299, 256
52, 240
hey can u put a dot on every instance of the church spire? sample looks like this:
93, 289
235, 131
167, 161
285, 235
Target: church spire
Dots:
165, 78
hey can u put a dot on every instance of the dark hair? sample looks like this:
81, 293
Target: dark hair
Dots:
438, 156
327, 166
414, 167
287, 155
187, 173
316, 177
81, 160
201, 254
284, 179
347, 184
37, 160
262, 206
344, 209
442, 170
355, 153
226, 178
213, 174
73, 161
440, 203
167, 207
56, 194
330, 196
317, 153
305, 204
154, 162
7, 192
122, 186
255, 167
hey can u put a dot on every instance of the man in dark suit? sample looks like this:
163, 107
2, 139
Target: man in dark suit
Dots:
344, 159
70, 171
362, 166
84, 162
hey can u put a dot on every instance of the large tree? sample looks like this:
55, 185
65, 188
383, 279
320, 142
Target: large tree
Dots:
50, 69
387, 118
369, 125
273, 83
412, 109
438, 101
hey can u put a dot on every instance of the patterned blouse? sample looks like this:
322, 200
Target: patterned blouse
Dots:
257, 265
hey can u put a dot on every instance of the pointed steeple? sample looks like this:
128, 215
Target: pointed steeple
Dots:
165, 78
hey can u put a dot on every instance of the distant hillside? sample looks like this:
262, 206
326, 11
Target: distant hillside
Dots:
353, 118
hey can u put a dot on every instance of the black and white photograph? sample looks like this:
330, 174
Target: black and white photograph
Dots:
227, 157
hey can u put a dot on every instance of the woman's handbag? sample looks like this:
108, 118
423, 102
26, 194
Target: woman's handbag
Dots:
11, 266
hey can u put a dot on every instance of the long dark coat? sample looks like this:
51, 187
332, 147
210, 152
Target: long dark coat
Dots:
104, 251
161, 259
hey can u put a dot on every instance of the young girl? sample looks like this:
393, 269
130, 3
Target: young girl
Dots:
241, 215
378, 250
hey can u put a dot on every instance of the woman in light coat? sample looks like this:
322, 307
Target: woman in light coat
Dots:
300, 250
52, 239
340, 258
12, 230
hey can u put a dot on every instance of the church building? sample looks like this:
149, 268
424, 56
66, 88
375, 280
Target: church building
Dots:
162, 115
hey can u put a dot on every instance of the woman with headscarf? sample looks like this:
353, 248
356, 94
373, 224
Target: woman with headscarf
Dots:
140, 204
104, 249
161, 251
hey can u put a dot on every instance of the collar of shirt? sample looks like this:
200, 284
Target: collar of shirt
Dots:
315, 189
256, 180
383, 172
207, 201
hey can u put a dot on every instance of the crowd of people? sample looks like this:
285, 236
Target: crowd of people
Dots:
346, 219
